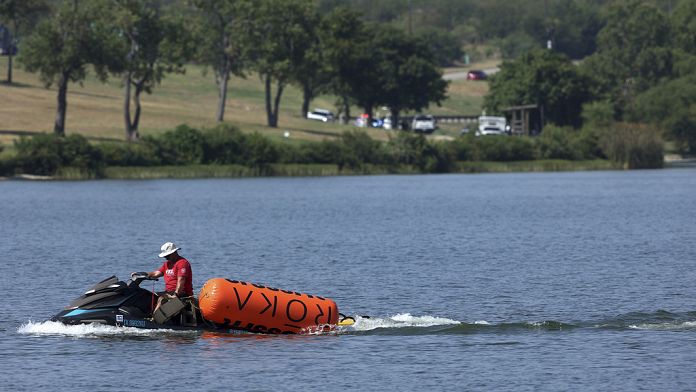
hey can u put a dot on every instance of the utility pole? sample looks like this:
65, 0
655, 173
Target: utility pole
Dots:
549, 27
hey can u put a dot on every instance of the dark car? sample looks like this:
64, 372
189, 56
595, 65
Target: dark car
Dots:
476, 74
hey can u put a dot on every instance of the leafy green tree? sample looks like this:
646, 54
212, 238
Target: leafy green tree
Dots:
281, 35
633, 52
408, 77
684, 26
500, 18
515, 45
348, 52
369, 65
683, 21
544, 78
312, 72
61, 48
153, 44
575, 27
220, 29
20, 15
444, 47
380, 66
672, 106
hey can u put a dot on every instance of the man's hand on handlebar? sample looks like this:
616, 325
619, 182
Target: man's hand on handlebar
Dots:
142, 275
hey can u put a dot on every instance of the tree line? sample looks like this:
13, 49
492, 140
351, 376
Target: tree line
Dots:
511, 27
642, 71
282, 41
638, 56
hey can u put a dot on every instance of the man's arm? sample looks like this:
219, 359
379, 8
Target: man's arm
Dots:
179, 285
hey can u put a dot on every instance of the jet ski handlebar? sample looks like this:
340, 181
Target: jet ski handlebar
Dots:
140, 276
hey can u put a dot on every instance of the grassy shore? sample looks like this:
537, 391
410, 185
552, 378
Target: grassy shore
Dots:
217, 171
316, 170
537, 166
95, 109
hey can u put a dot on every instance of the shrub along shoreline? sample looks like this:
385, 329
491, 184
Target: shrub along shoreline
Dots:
225, 151
319, 170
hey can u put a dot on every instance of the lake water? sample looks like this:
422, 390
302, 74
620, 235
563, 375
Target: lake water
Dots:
539, 281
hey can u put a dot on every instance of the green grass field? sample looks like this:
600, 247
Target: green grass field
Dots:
95, 109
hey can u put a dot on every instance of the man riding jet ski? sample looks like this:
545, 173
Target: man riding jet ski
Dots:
178, 280
114, 302
125, 303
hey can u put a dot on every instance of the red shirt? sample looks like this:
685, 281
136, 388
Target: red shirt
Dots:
172, 272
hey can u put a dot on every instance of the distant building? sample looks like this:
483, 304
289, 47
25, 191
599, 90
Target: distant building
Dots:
525, 120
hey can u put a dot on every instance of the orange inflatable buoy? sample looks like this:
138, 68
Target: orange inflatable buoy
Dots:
257, 308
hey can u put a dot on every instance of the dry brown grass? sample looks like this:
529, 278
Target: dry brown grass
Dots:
95, 109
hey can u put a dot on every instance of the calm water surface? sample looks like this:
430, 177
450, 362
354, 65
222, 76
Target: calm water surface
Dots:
550, 281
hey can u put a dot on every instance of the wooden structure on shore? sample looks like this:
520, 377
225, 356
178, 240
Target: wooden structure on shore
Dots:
525, 120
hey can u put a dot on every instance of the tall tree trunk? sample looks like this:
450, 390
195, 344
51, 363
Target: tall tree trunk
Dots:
394, 118
306, 99
269, 109
59, 126
132, 122
9, 69
126, 106
139, 86
272, 107
346, 109
276, 103
9, 58
368, 111
223, 78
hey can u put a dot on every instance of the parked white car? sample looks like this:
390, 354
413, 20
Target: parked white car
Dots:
424, 123
321, 115
387, 123
489, 125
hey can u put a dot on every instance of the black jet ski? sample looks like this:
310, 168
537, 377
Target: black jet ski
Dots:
126, 304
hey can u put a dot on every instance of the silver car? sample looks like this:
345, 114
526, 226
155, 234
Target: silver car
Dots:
321, 115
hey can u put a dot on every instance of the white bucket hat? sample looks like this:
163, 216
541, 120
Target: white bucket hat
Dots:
167, 249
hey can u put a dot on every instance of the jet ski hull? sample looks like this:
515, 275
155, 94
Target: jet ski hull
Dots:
126, 304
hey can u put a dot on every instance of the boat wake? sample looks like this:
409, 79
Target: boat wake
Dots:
405, 324
687, 325
86, 330
660, 320
404, 320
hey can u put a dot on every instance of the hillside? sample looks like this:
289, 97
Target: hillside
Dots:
95, 109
